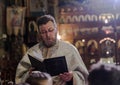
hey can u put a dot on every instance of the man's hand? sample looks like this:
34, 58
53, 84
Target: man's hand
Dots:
67, 76
31, 69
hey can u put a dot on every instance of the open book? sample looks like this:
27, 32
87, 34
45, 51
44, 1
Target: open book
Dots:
53, 66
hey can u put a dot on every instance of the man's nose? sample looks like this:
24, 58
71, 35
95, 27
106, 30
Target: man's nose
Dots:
47, 33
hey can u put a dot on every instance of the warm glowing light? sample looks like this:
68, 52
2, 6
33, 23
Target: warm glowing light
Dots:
108, 61
107, 52
107, 31
58, 36
106, 21
83, 40
107, 38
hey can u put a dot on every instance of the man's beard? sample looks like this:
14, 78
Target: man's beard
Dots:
49, 44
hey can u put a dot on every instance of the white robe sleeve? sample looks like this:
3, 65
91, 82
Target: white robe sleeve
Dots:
24, 65
22, 70
77, 66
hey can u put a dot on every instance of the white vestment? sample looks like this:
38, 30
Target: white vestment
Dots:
74, 62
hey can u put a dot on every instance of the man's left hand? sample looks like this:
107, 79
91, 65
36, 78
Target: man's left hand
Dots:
67, 76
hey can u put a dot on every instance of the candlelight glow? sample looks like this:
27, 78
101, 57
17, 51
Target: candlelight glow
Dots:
58, 36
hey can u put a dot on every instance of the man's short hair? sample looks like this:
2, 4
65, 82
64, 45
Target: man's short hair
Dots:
44, 19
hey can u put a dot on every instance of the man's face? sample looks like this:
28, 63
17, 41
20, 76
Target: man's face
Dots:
48, 33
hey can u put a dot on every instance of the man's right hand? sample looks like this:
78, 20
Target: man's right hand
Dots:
31, 69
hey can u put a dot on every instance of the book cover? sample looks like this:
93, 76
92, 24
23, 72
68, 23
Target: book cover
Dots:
53, 66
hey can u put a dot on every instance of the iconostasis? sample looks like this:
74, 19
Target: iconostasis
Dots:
93, 30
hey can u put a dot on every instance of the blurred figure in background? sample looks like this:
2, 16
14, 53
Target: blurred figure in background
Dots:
39, 78
104, 74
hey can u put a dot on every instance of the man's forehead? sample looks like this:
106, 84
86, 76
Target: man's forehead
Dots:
47, 25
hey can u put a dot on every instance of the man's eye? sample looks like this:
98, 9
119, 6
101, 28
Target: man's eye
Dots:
50, 30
